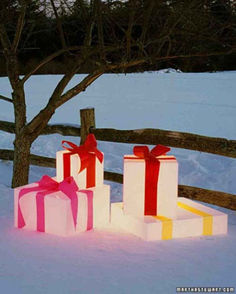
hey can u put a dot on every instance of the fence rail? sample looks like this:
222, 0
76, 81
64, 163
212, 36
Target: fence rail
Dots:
213, 197
219, 146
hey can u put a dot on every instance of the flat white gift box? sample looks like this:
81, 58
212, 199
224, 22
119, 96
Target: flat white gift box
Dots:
193, 219
58, 213
134, 186
75, 165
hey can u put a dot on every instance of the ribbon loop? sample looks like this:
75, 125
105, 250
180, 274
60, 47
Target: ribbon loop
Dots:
68, 185
159, 150
90, 145
143, 151
48, 183
90, 141
71, 144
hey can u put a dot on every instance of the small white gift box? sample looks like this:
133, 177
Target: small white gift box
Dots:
193, 219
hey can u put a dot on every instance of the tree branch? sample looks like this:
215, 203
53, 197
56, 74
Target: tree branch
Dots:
63, 83
89, 30
59, 25
89, 79
203, 54
42, 118
82, 86
100, 26
146, 21
35, 126
48, 59
6, 99
130, 28
19, 27
6, 44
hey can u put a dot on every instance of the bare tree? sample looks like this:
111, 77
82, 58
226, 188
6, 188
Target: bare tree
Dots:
27, 132
129, 47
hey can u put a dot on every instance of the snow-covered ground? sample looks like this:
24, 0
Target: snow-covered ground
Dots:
112, 262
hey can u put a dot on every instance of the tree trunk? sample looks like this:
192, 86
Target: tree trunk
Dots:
21, 161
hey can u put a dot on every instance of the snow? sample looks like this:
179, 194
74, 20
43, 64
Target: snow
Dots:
112, 261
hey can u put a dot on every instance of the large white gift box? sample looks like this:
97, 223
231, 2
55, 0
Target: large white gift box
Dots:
58, 216
158, 198
192, 219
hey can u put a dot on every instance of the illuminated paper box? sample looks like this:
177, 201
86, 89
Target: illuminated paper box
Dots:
93, 210
193, 219
101, 206
150, 186
84, 163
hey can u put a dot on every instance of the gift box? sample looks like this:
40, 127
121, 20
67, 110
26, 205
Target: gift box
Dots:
84, 163
150, 182
59, 208
192, 219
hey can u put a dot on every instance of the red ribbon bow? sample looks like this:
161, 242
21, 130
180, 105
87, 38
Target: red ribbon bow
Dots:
45, 186
143, 151
152, 166
88, 153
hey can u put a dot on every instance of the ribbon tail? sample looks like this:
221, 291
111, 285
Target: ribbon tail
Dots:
90, 210
99, 155
151, 181
66, 165
74, 207
70, 188
21, 221
91, 172
40, 211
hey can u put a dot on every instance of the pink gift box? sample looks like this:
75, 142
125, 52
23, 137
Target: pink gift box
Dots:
58, 216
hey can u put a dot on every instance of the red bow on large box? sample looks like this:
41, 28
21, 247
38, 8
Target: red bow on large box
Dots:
88, 153
152, 166
46, 186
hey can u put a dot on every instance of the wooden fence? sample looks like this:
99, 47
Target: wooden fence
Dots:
219, 146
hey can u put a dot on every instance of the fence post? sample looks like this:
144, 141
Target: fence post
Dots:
87, 121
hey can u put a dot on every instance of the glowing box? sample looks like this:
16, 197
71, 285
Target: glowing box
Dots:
93, 173
135, 184
193, 219
58, 213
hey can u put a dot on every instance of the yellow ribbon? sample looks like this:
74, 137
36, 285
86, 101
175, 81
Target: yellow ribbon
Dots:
167, 227
167, 223
207, 218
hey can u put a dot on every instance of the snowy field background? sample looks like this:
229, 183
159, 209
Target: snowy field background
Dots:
114, 262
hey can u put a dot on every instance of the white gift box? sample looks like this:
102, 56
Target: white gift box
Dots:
134, 186
80, 177
193, 219
58, 213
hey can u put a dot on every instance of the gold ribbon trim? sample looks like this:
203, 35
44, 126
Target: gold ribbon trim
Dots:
167, 227
207, 218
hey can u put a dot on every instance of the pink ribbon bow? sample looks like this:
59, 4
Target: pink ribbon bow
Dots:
45, 186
